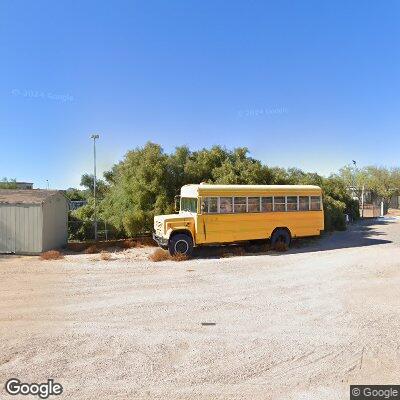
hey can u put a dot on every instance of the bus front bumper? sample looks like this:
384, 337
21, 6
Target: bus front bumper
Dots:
162, 242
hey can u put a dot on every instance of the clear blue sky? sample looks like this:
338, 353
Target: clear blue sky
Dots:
312, 84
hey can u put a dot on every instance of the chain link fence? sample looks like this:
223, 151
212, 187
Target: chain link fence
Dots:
84, 230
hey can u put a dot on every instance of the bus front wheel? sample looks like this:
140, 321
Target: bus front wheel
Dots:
280, 238
180, 244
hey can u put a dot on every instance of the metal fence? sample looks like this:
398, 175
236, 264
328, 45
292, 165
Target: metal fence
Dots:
84, 230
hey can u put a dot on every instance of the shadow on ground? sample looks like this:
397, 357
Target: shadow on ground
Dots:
361, 234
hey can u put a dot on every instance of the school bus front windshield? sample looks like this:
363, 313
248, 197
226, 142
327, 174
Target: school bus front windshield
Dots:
188, 204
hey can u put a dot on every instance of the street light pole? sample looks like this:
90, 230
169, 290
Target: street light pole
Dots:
94, 137
354, 178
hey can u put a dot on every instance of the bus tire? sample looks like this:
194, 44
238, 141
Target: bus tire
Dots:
279, 237
180, 243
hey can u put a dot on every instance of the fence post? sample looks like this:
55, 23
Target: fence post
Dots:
362, 202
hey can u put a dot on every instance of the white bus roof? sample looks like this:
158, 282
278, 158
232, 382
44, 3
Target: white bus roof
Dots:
209, 189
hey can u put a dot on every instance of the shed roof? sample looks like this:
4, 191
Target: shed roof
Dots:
26, 196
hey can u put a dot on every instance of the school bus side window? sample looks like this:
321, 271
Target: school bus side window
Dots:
239, 205
253, 204
225, 205
210, 205
315, 203
266, 204
291, 203
304, 203
279, 203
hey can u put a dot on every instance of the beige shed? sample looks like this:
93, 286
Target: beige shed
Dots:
32, 221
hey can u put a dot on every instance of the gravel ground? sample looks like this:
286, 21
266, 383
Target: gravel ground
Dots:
298, 325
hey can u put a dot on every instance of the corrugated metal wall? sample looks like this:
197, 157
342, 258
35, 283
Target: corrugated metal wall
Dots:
55, 222
7, 228
21, 228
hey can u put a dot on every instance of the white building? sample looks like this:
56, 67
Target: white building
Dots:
32, 221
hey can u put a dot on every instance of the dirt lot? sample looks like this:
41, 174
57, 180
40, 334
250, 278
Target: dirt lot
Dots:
297, 325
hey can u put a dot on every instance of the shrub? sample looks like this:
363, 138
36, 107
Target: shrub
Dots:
334, 214
93, 249
179, 257
159, 255
353, 209
105, 256
52, 255
146, 241
80, 227
126, 244
163, 255
76, 246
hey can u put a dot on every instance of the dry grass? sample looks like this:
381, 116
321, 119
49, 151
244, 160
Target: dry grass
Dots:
163, 255
105, 256
76, 246
159, 255
179, 257
124, 244
52, 255
93, 249
146, 241
127, 244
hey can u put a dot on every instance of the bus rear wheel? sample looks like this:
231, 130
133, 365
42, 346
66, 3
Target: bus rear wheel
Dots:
180, 244
280, 239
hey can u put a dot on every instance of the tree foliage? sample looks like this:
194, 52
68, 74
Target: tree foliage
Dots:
8, 183
145, 182
383, 182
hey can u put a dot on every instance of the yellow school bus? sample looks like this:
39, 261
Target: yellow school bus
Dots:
220, 214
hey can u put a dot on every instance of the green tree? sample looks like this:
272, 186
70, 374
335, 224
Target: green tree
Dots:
239, 168
147, 179
8, 183
142, 185
76, 194
383, 181
87, 181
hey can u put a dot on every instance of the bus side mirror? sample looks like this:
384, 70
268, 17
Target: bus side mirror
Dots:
177, 203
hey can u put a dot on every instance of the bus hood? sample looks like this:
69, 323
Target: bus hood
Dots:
163, 222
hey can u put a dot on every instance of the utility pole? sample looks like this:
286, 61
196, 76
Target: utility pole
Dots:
94, 137
354, 178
